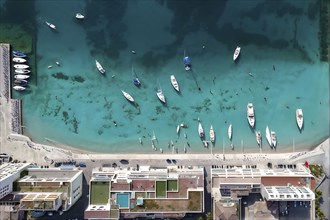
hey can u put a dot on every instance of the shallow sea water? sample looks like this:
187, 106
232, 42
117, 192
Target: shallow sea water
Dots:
75, 105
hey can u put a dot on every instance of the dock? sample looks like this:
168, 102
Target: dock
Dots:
5, 90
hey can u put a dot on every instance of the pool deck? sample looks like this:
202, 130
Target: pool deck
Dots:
14, 143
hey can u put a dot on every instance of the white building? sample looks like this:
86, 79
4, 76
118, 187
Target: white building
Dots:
10, 172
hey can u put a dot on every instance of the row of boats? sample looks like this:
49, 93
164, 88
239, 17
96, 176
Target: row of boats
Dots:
21, 71
270, 135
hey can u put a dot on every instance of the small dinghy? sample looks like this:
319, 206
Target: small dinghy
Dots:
19, 54
50, 25
80, 16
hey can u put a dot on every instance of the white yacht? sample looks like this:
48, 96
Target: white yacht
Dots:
19, 88
273, 137
299, 118
19, 60
236, 53
21, 66
250, 114
268, 137
80, 16
200, 129
212, 134
50, 25
160, 95
230, 131
258, 137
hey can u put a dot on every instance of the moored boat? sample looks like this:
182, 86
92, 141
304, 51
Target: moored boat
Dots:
22, 71
187, 63
258, 137
136, 80
50, 25
160, 95
19, 54
19, 88
178, 129
268, 137
230, 131
250, 114
21, 82
21, 76
21, 66
236, 53
99, 67
19, 60
273, 138
128, 96
174, 83
79, 16
299, 118
212, 134
200, 129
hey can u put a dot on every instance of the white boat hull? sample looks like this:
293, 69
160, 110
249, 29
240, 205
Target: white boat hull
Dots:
268, 137
22, 71
174, 83
99, 67
212, 134
250, 114
19, 88
19, 60
80, 16
299, 118
161, 96
236, 53
21, 66
273, 138
230, 131
258, 137
21, 77
128, 96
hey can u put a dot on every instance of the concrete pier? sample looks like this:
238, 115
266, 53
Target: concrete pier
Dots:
5, 89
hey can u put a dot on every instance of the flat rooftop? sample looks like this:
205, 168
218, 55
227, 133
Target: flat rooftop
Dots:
50, 175
8, 169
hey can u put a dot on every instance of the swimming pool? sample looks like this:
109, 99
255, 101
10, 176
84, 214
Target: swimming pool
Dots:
123, 200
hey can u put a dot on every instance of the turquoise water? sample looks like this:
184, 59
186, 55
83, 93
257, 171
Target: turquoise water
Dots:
75, 105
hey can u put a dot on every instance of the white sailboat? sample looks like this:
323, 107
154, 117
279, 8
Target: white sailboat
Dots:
273, 138
50, 25
21, 66
268, 137
19, 88
22, 71
174, 83
21, 76
236, 53
212, 134
128, 96
230, 131
299, 118
258, 137
178, 129
99, 67
160, 95
200, 129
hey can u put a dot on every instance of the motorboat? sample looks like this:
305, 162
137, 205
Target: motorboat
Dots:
299, 118
236, 53
99, 67
268, 137
160, 95
19, 60
200, 129
50, 25
19, 54
258, 137
273, 138
21, 77
80, 16
19, 88
22, 71
21, 66
212, 134
174, 83
128, 96
187, 63
178, 129
250, 114
21, 82
230, 131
